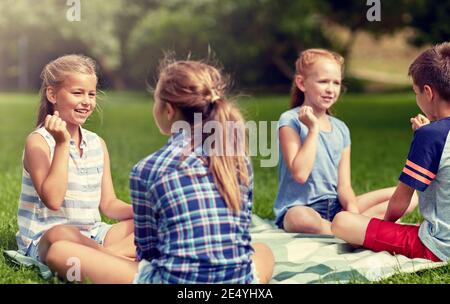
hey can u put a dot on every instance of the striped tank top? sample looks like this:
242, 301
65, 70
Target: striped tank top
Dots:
81, 202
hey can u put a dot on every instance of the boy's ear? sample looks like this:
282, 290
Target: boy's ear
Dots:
429, 92
300, 82
50, 92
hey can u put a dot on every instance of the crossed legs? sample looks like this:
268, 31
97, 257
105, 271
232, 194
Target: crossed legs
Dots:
118, 241
372, 204
95, 265
101, 267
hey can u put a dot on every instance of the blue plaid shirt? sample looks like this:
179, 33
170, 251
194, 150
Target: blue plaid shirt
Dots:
182, 224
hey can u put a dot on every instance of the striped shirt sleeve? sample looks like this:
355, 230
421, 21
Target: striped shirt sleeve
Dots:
423, 160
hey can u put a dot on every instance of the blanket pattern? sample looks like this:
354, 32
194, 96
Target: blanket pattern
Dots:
310, 258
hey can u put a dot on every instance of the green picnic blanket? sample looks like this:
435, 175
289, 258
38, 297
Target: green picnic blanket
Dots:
19, 259
309, 258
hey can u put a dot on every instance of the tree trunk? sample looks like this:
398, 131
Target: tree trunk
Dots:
349, 44
23, 47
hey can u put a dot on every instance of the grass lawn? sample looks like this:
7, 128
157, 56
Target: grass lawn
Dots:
379, 125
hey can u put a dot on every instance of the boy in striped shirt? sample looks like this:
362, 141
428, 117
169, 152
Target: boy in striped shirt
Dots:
427, 170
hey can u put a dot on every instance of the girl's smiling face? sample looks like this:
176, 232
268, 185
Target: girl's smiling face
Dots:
75, 99
321, 84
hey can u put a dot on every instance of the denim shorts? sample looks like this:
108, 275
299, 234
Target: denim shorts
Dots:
147, 274
97, 233
327, 209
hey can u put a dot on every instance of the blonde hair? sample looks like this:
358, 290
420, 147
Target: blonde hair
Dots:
196, 87
54, 74
304, 62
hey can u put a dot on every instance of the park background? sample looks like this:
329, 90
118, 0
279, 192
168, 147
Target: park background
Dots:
255, 41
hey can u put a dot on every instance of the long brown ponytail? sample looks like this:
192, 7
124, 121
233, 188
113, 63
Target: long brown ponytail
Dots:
195, 87
53, 75
305, 60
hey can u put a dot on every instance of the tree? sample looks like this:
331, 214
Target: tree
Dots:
101, 33
256, 40
23, 37
351, 14
430, 20
270, 34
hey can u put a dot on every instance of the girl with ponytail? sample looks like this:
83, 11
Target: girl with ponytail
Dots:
193, 203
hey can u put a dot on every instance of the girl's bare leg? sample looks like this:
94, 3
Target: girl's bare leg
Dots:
307, 220
374, 203
373, 198
69, 259
65, 233
350, 227
120, 239
118, 232
264, 261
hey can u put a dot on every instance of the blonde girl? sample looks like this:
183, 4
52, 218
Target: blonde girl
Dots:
66, 171
314, 171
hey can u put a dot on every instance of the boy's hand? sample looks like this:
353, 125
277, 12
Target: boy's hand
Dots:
306, 116
57, 128
419, 121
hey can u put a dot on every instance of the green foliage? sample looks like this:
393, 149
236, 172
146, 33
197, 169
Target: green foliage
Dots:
257, 40
352, 14
266, 48
430, 19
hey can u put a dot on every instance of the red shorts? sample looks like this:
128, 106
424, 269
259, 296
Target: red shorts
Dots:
396, 239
